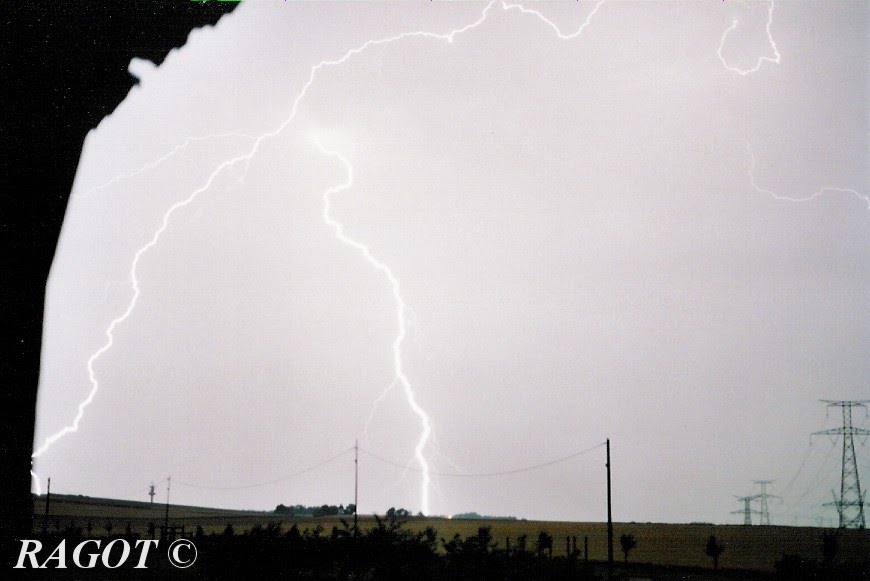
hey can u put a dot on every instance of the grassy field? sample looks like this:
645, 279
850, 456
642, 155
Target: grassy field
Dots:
753, 547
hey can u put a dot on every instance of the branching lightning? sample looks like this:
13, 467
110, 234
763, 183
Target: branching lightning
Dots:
375, 405
246, 158
449, 37
134, 281
827, 189
775, 59
160, 160
337, 227
398, 367
549, 23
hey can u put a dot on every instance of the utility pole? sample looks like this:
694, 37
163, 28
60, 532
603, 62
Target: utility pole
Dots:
47, 503
151, 493
850, 505
609, 519
356, 487
166, 514
764, 513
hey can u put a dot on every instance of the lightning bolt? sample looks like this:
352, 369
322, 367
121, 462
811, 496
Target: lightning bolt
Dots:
545, 20
245, 158
743, 72
134, 281
338, 230
826, 189
398, 367
160, 160
36, 483
448, 37
375, 405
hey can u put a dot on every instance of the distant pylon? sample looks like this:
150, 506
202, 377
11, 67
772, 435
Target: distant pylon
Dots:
747, 508
151, 493
850, 505
762, 496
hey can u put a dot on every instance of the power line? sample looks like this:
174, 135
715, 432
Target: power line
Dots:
485, 474
787, 488
268, 482
747, 511
392, 463
796, 501
814, 482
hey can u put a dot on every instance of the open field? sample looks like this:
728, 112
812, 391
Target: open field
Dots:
753, 547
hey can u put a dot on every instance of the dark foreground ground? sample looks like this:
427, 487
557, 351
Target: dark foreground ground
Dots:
246, 544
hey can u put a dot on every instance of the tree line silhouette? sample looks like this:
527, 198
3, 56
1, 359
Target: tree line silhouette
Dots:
323, 510
391, 551
383, 552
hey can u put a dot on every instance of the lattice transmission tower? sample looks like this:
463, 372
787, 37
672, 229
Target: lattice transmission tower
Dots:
762, 496
747, 511
850, 505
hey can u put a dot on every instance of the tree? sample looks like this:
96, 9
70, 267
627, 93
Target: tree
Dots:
713, 550
544, 542
521, 542
628, 542
281, 509
484, 539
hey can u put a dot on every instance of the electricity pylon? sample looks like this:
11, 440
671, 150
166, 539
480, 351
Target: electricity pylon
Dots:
747, 511
762, 496
850, 505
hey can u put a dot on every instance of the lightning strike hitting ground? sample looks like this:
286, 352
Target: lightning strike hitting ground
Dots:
401, 309
743, 72
245, 158
827, 189
134, 281
398, 367
36, 485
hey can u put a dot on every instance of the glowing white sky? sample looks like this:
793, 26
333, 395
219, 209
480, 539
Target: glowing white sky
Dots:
582, 247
